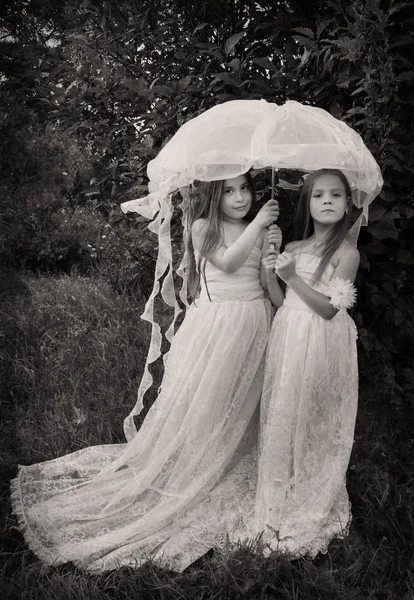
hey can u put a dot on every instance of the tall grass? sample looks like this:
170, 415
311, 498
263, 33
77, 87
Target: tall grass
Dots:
72, 355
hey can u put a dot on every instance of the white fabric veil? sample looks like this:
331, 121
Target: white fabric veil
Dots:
226, 141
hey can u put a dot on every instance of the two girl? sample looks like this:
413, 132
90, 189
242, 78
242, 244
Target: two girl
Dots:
189, 475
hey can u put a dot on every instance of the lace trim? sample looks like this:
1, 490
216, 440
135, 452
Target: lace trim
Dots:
32, 541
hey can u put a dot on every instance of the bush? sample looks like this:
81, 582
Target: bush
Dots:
50, 236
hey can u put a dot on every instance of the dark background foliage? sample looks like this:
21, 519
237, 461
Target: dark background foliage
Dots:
91, 90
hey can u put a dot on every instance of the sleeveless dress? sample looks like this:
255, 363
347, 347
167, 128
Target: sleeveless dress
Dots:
112, 505
308, 411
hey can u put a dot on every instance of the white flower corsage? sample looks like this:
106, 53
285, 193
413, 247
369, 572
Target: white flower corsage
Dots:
342, 293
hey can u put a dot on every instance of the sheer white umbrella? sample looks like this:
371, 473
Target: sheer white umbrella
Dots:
233, 137
226, 141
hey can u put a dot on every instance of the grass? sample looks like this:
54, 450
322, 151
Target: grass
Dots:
72, 357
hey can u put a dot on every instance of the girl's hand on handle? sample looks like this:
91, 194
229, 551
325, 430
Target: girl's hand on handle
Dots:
267, 214
274, 236
285, 266
269, 260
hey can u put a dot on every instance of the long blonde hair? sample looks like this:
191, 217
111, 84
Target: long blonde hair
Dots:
304, 226
205, 203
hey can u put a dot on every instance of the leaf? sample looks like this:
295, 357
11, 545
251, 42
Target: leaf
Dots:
226, 78
394, 163
377, 300
397, 7
376, 212
398, 153
261, 26
136, 85
89, 191
209, 49
336, 110
409, 376
282, 79
390, 289
291, 53
305, 31
405, 257
112, 168
304, 58
199, 27
235, 64
364, 262
262, 84
367, 339
359, 89
399, 316
185, 82
357, 110
401, 303
322, 25
403, 40
308, 43
358, 319
392, 215
164, 90
388, 195
265, 63
389, 267
405, 76
233, 41
375, 249
384, 230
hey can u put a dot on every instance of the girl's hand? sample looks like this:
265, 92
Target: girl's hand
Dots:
285, 266
269, 260
267, 214
274, 236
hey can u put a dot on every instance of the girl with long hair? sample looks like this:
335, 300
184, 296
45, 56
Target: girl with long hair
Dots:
107, 506
310, 391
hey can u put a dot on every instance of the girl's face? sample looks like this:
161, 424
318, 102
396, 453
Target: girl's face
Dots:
236, 198
328, 201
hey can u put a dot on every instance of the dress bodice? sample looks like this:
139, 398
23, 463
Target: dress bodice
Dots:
306, 265
242, 285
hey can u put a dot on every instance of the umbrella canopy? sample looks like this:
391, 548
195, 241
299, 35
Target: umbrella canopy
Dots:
230, 138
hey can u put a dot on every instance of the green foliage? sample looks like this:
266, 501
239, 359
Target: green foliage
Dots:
41, 169
50, 220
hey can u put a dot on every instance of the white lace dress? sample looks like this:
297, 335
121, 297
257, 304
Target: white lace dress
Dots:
308, 411
112, 505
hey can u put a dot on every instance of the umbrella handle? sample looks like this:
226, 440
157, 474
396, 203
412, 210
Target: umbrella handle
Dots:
272, 197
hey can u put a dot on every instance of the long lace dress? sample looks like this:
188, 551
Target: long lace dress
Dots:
111, 505
308, 411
